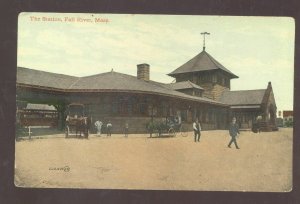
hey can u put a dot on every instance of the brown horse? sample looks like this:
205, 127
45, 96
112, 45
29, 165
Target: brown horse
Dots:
82, 126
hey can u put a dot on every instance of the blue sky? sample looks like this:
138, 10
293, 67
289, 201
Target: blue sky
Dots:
257, 49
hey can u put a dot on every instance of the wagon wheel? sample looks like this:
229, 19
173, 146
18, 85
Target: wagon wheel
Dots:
67, 131
183, 132
172, 132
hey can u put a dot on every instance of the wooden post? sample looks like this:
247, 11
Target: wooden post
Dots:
61, 110
29, 132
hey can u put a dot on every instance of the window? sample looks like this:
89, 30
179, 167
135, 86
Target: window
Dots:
198, 80
115, 107
152, 110
164, 109
214, 79
106, 108
220, 80
213, 117
123, 108
183, 114
227, 82
143, 108
207, 117
210, 116
129, 108
203, 116
206, 78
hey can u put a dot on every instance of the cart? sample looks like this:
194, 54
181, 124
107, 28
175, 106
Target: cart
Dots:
77, 122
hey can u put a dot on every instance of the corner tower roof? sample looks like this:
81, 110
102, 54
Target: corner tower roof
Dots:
201, 62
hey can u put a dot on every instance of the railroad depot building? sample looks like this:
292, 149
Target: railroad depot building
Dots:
202, 90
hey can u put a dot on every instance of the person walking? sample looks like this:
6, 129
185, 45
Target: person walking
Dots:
197, 130
126, 129
98, 125
233, 131
108, 128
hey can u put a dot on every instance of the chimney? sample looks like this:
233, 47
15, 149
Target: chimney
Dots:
143, 71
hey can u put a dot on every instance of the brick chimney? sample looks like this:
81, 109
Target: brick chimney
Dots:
143, 71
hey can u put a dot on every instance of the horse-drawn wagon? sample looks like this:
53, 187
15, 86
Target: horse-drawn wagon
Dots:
77, 121
171, 127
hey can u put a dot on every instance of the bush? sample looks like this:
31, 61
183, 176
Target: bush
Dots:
150, 126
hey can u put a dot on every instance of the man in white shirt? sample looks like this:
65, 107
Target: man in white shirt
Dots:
98, 125
197, 129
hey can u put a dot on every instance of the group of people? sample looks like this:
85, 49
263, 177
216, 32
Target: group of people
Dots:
98, 124
233, 132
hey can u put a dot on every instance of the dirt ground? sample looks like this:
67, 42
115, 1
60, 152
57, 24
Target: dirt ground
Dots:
264, 162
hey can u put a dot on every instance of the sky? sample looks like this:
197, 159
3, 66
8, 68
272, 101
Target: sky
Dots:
257, 49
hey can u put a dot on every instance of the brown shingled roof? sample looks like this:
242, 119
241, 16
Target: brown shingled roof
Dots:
201, 62
45, 79
109, 81
184, 85
244, 97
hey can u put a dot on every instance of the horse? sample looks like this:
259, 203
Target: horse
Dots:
82, 126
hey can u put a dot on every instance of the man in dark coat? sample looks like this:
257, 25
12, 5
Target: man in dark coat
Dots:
108, 128
233, 131
197, 130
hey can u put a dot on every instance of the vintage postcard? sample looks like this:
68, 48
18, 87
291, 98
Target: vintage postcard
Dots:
154, 102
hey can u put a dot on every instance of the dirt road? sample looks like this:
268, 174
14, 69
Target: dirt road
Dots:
264, 162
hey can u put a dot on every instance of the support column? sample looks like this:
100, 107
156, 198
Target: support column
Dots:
61, 108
